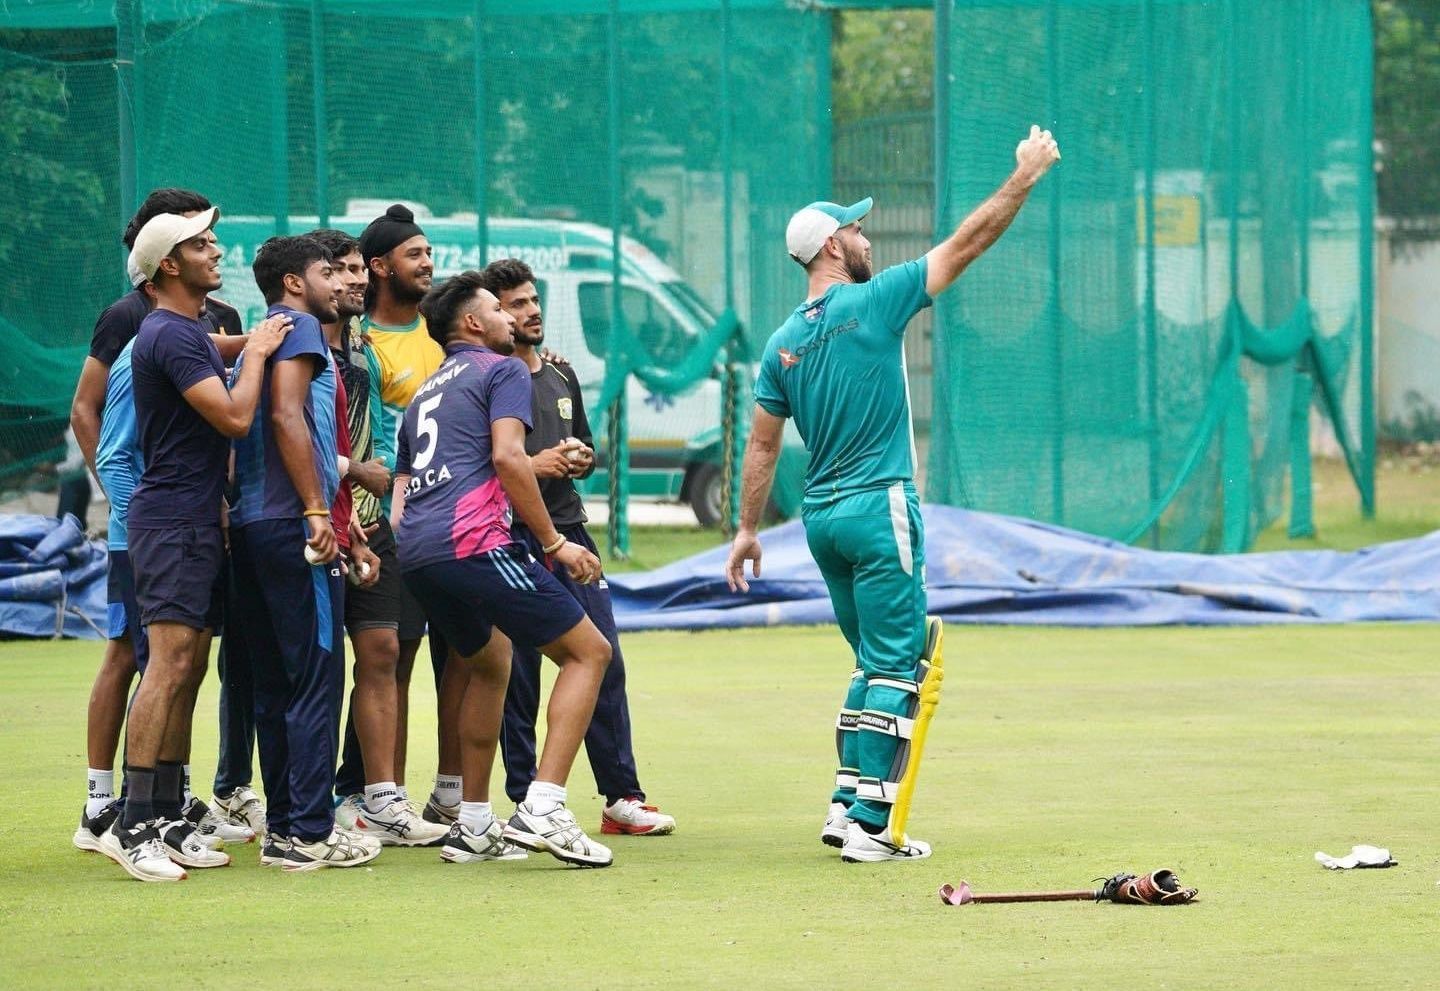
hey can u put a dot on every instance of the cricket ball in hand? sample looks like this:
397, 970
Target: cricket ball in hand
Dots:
312, 555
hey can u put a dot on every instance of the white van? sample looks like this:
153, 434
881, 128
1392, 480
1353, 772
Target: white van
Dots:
674, 440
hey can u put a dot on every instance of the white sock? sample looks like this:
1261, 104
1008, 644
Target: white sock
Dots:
400, 790
188, 795
476, 816
101, 790
447, 789
379, 795
544, 797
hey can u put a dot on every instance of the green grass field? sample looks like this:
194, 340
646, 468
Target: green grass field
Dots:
1058, 756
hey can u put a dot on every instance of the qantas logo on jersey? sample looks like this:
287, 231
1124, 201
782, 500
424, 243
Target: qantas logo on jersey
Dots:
789, 359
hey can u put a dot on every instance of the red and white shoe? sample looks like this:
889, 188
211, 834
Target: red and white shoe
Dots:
629, 817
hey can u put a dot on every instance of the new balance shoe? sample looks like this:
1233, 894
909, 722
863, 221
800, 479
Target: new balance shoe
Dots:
272, 849
837, 822
631, 817
347, 809
444, 815
863, 848
89, 832
184, 845
556, 834
398, 825
335, 850
243, 808
140, 851
462, 846
214, 831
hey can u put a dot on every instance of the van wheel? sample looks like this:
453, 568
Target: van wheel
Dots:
705, 486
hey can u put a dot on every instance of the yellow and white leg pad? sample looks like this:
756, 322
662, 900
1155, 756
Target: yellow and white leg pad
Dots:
930, 674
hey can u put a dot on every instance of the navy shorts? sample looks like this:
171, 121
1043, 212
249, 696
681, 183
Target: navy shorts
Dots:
123, 612
179, 575
504, 587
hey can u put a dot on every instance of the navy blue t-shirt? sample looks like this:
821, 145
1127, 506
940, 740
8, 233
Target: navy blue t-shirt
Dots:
185, 458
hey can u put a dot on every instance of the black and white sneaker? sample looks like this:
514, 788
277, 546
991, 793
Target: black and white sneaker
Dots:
558, 834
874, 848
272, 850
184, 846
88, 833
214, 831
339, 849
140, 851
462, 846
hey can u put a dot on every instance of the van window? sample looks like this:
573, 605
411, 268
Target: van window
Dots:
664, 339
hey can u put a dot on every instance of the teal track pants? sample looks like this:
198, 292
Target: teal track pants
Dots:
871, 551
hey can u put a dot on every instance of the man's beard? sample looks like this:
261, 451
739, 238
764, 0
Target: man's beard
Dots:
857, 266
402, 290
529, 337
506, 346
347, 307
322, 307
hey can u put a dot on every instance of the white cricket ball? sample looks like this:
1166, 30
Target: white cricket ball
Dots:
312, 555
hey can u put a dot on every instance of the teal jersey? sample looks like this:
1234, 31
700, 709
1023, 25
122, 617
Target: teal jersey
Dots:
837, 368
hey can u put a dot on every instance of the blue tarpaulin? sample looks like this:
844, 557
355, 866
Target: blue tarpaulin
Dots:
984, 568
52, 579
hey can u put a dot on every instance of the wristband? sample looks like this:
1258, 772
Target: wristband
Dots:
555, 546
316, 512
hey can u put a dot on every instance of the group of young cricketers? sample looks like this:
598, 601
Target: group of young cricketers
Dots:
258, 487
385, 456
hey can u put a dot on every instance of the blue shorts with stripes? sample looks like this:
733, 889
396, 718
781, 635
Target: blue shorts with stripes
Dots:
505, 587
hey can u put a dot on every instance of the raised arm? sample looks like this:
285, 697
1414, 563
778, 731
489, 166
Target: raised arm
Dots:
762, 452
231, 411
945, 261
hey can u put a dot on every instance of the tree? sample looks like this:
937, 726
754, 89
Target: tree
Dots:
1407, 117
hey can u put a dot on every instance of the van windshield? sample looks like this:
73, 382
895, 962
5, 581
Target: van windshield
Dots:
664, 339
685, 297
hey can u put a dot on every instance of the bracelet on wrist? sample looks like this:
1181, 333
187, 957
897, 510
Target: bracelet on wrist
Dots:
555, 546
316, 512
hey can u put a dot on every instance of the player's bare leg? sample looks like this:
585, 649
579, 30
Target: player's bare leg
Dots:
383, 812
477, 835
542, 822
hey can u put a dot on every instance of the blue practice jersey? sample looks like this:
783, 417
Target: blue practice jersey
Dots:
118, 460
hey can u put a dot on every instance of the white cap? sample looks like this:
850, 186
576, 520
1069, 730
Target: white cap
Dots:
160, 235
136, 277
813, 225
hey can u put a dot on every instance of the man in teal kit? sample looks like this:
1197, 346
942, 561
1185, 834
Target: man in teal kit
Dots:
836, 366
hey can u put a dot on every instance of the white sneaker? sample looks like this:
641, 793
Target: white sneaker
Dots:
631, 817
184, 845
556, 834
398, 825
243, 808
462, 846
91, 831
335, 850
272, 850
214, 831
862, 848
837, 822
140, 852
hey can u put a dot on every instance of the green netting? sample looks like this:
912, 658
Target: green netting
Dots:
670, 130
1137, 356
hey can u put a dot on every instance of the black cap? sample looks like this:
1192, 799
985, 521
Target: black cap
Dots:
396, 226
